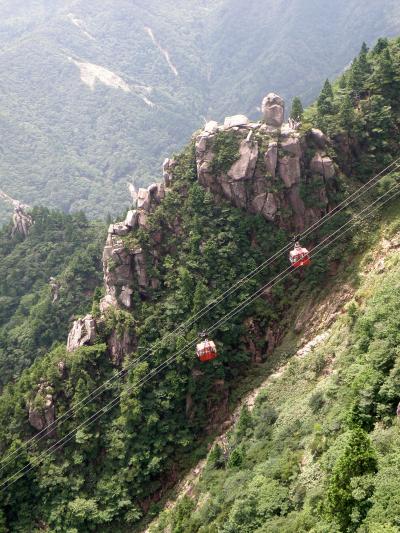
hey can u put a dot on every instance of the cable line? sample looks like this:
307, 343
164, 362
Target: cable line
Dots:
356, 219
395, 165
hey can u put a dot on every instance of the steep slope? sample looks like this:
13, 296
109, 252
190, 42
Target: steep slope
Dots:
95, 94
233, 197
45, 278
299, 457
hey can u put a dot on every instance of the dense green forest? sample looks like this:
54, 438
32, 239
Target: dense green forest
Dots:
33, 316
317, 451
320, 450
70, 141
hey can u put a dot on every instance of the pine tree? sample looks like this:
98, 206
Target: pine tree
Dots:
325, 100
347, 116
363, 61
382, 44
297, 110
355, 82
384, 79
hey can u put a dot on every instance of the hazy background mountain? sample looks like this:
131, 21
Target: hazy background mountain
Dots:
94, 94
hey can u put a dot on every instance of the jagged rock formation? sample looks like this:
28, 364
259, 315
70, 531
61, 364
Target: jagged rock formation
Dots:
22, 221
273, 110
83, 332
124, 264
273, 168
42, 412
55, 289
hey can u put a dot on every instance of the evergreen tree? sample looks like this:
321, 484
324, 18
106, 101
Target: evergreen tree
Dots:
384, 80
363, 61
382, 44
358, 459
347, 116
325, 100
297, 110
355, 82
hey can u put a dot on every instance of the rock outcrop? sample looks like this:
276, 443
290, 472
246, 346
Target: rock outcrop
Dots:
125, 263
42, 411
83, 333
22, 221
273, 110
272, 170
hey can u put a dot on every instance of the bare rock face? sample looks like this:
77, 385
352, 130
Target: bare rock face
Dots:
271, 158
55, 289
42, 411
131, 219
269, 185
22, 221
322, 164
118, 271
289, 170
266, 204
211, 127
83, 333
273, 110
291, 144
167, 169
245, 166
236, 121
141, 269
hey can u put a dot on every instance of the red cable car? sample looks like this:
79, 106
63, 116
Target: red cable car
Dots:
299, 256
206, 350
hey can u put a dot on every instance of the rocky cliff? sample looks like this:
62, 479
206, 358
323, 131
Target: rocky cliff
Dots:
270, 168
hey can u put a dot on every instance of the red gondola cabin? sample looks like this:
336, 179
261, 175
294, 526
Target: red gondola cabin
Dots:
299, 256
206, 351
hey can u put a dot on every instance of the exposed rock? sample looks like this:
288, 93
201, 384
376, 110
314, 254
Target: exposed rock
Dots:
236, 121
108, 301
143, 199
55, 289
83, 332
125, 296
273, 110
62, 369
131, 219
211, 126
318, 137
289, 170
141, 268
322, 164
22, 221
118, 229
246, 164
266, 205
292, 145
167, 169
43, 417
271, 158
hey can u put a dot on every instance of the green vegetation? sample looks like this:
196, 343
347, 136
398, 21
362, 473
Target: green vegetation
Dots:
66, 247
70, 146
226, 152
319, 451
296, 113
361, 110
314, 453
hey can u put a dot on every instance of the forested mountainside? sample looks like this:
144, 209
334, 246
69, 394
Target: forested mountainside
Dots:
95, 94
45, 280
233, 197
